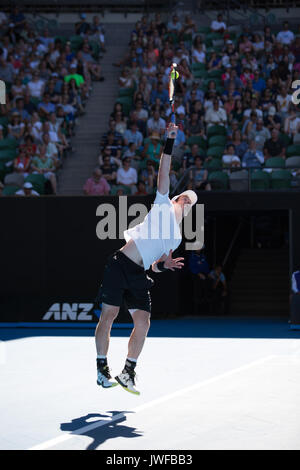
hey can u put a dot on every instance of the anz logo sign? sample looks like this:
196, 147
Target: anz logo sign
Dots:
64, 312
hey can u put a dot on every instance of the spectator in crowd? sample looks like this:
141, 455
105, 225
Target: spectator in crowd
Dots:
274, 146
230, 158
292, 122
127, 176
27, 190
199, 176
215, 115
218, 289
247, 95
156, 123
218, 25
141, 189
96, 185
199, 269
153, 148
253, 157
260, 134
45, 165
132, 135
285, 36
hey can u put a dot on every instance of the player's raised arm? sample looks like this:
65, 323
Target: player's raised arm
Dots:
165, 160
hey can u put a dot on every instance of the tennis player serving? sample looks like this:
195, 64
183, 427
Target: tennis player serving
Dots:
148, 244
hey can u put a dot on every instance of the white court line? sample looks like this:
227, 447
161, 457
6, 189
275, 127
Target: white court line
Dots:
89, 427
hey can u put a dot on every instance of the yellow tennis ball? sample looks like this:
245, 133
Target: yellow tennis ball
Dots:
174, 74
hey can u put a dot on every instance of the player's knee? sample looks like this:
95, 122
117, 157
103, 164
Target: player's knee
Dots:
142, 321
109, 313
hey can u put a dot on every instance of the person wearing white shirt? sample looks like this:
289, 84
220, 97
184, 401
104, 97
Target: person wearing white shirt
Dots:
285, 37
198, 55
283, 101
229, 157
218, 25
148, 244
215, 115
292, 123
127, 176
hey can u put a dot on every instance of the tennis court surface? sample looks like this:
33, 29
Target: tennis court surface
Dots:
207, 383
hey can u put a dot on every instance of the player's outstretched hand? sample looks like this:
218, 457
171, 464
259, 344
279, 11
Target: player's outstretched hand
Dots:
171, 263
172, 130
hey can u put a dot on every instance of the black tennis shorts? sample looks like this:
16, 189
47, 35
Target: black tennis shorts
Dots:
125, 283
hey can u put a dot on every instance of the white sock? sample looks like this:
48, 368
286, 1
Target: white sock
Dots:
131, 359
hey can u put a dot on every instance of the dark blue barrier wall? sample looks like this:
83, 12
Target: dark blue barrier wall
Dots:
52, 261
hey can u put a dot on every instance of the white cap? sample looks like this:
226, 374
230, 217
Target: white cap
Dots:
191, 194
27, 185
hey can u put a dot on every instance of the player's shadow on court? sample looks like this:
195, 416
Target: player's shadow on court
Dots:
100, 430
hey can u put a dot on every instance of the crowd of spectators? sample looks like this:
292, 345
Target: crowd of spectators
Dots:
233, 107
48, 81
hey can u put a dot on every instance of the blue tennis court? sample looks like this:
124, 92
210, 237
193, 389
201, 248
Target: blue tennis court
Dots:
206, 383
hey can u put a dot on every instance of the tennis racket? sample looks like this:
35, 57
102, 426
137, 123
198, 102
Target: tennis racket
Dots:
172, 84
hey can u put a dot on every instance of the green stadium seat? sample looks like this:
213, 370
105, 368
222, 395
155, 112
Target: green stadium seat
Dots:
275, 162
8, 154
10, 190
127, 103
216, 130
213, 165
215, 74
217, 140
4, 121
37, 181
215, 152
260, 180
196, 139
76, 43
198, 66
126, 190
218, 180
293, 150
281, 179
8, 143
286, 139
204, 30
125, 92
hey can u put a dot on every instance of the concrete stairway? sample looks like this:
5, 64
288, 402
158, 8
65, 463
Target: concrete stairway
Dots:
79, 165
260, 283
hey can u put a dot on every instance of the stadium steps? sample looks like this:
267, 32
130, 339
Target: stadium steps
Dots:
260, 283
78, 166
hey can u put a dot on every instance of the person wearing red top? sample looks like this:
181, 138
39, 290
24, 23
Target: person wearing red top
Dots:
96, 185
22, 162
141, 189
29, 146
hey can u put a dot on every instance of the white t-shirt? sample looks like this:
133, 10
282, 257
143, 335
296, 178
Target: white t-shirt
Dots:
228, 159
158, 233
285, 37
21, 192
199, 56
216, 25
283, 102
36, 88
126, 177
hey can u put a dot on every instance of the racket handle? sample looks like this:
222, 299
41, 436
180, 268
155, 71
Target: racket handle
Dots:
173, 118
